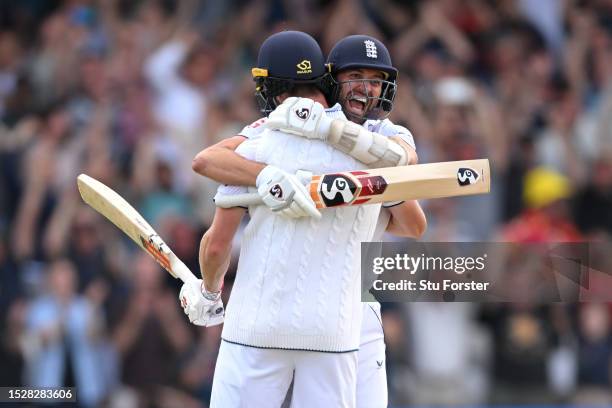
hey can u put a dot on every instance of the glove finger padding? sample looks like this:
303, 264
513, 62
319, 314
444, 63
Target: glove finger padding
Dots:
306, 203
304, 177
294, 211
301, 204
301, 117
189, 300
279, 190
201, 311
288, 212
188, 296
216, 314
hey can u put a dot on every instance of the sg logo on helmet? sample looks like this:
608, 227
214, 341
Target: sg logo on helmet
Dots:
304, 67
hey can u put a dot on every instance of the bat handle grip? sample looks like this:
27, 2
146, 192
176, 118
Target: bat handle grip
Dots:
180, 270
238, 200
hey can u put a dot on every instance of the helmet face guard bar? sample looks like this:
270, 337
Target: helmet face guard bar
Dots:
266, 91
268, 88
377, 107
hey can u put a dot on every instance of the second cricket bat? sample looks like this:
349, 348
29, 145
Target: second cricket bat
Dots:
420, 181
111, 205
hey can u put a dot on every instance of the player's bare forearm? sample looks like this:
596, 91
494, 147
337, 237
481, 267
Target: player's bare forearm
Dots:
411, 154
216, 246
407, 220
221, 163
214, 260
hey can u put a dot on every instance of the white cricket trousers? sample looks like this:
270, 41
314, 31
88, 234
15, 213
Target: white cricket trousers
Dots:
255, 377
372, 367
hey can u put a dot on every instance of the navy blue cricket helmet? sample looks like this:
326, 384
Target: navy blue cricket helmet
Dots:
363, 51
286, 59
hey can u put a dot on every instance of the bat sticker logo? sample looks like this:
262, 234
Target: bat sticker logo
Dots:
467, 176
303, 113
337, 189
156, 252
276, 191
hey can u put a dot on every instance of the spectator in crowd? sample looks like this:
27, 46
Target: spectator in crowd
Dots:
149, 324
62, 338
593, 202
595, 345
548, 216
12, 329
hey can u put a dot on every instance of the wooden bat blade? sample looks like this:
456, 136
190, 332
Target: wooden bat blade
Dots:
420, 181
114, 207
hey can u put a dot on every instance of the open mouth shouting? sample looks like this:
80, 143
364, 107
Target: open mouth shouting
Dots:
358, 104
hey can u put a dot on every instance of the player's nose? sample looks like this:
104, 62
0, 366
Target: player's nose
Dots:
364, 87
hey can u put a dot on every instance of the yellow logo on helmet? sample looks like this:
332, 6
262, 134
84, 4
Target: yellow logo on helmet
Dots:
304, 67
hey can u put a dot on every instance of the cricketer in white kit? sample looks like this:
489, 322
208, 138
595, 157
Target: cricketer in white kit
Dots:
371, 375
295, 308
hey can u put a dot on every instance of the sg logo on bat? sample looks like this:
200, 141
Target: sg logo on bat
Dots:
467, 176
355, 187
337, 189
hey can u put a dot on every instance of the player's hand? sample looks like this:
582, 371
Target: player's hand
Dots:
300, 116
202, 311
285, 193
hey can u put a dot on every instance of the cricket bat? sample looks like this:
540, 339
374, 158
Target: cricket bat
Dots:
420, 181
111, 205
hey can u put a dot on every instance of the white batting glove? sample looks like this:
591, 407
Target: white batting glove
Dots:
203, 308
300, 116
285, 193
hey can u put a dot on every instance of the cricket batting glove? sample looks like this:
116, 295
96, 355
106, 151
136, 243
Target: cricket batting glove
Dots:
300, 116
202, 307
305, 117
285, 193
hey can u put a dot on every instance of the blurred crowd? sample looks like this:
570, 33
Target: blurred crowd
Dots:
129, 91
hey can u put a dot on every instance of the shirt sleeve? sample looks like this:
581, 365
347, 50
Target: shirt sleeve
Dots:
381, 224
388, 128
246, 149
225, 190
253, 130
